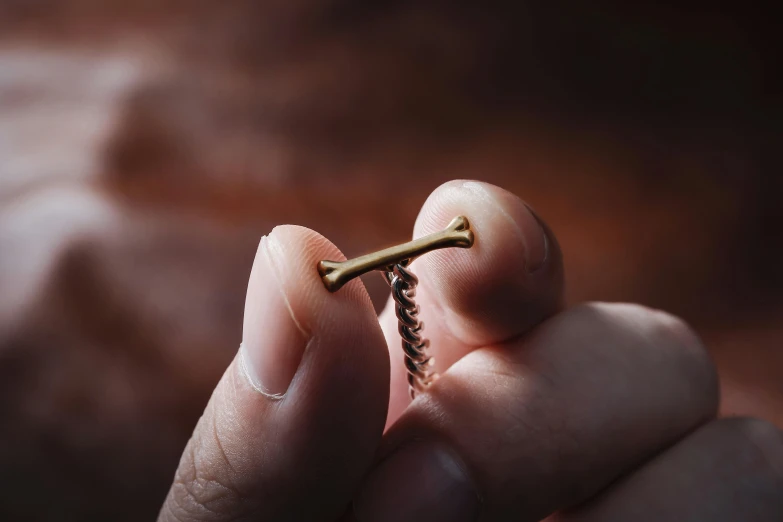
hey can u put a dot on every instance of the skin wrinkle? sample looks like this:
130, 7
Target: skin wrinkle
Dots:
211, 493
201, 490
189, 501
211, 489
186, 473
219, 445
176, 515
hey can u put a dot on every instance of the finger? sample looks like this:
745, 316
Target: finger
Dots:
517, 431
286, 421
731, 469
509, 281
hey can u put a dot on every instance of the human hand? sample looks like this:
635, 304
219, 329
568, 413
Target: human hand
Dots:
599, 412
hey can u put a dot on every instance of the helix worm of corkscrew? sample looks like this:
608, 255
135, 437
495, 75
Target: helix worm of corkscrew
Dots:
394, 263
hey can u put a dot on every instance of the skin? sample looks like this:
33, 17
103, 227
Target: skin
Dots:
598, 412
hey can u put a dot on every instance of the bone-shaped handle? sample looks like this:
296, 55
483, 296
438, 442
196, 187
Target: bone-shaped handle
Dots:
336, 273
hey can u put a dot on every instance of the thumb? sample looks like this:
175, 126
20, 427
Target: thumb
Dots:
287, 419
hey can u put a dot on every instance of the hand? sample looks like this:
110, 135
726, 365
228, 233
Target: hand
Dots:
597, 413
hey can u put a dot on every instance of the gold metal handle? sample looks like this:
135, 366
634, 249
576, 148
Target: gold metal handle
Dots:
336, 273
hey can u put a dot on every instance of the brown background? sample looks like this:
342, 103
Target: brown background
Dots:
146, 146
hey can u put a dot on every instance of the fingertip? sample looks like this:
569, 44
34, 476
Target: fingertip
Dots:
298, 250
509, 280
501, 218
344, 343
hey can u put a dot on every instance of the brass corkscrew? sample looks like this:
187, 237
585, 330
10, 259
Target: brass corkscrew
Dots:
393, 262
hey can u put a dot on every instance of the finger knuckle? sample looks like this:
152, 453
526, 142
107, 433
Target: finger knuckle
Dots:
671, 331
692, 358
659, 326
671, 336
666, 341
759, 444
674, 329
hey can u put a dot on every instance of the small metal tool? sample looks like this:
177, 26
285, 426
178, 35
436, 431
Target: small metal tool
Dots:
394, 263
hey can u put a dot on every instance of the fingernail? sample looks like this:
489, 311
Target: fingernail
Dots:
272, 340
421, 481
537, 249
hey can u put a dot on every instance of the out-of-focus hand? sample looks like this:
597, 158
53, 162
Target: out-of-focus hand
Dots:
600, 412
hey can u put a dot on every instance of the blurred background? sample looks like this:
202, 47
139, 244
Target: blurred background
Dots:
146, 146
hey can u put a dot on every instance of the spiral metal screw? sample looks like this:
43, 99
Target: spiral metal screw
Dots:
418, 363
